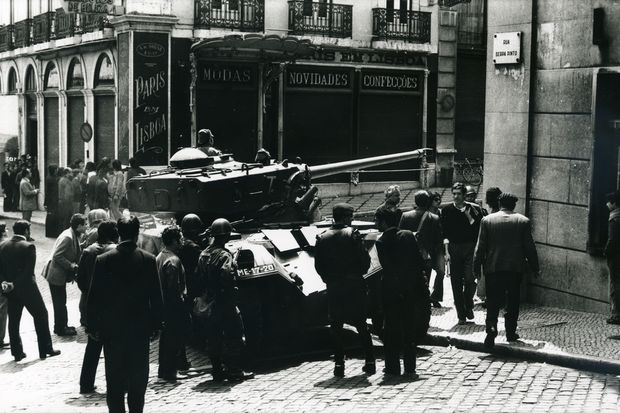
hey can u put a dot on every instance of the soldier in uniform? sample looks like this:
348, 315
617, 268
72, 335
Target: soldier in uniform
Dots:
403, 286
341, 260
225, 326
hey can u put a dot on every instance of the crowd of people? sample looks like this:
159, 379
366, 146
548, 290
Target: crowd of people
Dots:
129, 296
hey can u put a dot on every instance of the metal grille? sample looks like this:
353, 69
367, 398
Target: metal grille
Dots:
6, 38
411, 26
243, 15
42, 27
324, 19
22, 30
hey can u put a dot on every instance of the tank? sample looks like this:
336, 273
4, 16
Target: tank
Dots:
274, 208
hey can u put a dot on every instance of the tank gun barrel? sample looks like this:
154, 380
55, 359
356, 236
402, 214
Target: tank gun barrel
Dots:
319, 171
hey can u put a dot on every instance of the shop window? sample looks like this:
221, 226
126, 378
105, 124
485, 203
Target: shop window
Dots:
75, 76
12, 82
104, 72
51, 77
31, 80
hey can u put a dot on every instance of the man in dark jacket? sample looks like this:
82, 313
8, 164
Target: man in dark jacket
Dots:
106, 241
124, 310
505, 245
218, 269
52, 222
427, 227
341, 260
460, 222
403, 284
17, 261
612, 252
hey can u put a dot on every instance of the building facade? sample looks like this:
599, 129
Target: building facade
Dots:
552, 125
88, 79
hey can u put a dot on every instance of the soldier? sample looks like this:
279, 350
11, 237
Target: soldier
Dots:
403, 286
341, 260
225, 327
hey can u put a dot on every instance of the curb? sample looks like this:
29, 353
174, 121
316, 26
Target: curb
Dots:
593, 364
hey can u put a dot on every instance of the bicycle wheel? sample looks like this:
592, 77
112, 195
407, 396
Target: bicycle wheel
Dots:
472, 175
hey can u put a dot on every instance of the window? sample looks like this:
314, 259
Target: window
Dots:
104, 72
51, 77
323, 8
307, 11
12, 82
75, 77
31, 80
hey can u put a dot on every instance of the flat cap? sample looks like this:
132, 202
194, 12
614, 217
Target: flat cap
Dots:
205, 132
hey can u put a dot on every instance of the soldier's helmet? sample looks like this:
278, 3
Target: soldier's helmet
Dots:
192, 224
221, 226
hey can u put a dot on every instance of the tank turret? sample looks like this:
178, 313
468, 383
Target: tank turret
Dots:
219, 186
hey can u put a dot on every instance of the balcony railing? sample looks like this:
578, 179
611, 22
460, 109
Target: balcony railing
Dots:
42, 27
323, 19
22, 32
407, 25
64, 24
242, 15
6, 38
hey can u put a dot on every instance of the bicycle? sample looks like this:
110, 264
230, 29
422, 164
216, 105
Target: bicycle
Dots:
471, 171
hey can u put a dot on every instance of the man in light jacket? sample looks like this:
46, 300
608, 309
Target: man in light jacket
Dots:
62, 268
28, 196
504, 246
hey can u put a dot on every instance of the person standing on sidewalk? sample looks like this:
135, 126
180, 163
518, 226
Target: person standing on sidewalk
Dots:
218, 269
427, 227
125, 311
491, 199
460, 222
402, 283
28, 196
17, 262
341, 260
106, 241
612, 252
505, 248
62, 269
66, 194
52, 227
177, 323
116, 188
4, 302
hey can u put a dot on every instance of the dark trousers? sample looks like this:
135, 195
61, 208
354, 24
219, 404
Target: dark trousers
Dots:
399, 338
171, 350
225, 339
126, 371
27, 215
438, 263
503, 285
90, 363
59, 301
613, 264
36, 307
462, 277
365, 340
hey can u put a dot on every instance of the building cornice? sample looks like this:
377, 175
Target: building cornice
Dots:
143, 23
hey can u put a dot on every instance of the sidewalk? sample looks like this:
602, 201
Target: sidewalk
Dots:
551, 335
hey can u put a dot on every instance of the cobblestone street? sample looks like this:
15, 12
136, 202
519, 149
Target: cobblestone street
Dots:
451, 379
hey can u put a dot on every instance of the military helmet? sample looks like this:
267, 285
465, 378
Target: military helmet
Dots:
221, 226
191, 224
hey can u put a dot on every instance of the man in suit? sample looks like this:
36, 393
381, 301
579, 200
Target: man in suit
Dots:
341, 260
62, 269
17, 260
403, 284
28, 196
427, 227
106, 241
504, 246
124, 310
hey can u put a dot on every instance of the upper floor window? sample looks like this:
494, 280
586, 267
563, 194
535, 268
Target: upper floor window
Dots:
51, 77
31, 80
12, 82
104, 72
75, 77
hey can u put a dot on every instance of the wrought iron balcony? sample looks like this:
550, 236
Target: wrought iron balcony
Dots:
242, 15
87, 23
6, 38
64, 24
23, 33
407, 25
323, 19
43, 27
